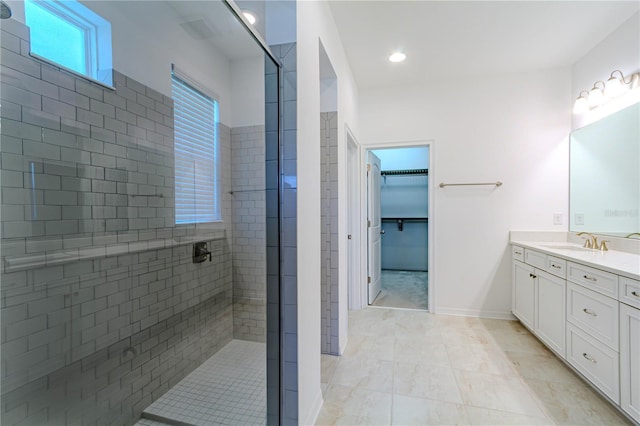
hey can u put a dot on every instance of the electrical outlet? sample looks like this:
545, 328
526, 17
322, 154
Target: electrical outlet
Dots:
557, 218
579, 218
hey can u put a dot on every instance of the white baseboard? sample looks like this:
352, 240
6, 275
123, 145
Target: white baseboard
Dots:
312, 415
475, 313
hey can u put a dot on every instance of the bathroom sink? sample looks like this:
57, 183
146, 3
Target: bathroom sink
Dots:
567, 247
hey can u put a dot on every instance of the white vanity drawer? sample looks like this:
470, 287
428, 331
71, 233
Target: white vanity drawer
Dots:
593, 313
556, 266
630, 291
597, 362
595, 279
517, 253
536, 259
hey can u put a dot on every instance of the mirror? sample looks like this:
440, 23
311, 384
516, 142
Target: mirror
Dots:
604, 194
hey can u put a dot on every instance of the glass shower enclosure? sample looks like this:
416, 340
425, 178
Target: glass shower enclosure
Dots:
134, 218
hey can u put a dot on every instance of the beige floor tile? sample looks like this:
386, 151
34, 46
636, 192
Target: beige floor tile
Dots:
434, 363
354, 405
466, 336
380, 348
544, 367
426, 380
570, 404
484, 416
497, 392
418, 411
480, 358
365, 373
417, 351
328, 364
519, 342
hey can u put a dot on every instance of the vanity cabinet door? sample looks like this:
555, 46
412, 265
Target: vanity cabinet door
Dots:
550, 311
630, 360
523, 298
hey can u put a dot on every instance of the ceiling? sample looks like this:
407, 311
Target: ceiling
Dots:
458, 39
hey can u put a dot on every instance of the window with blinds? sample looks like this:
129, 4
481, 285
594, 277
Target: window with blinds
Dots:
196, 154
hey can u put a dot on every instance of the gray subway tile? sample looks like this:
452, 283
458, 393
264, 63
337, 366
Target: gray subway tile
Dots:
74, 98
89, 89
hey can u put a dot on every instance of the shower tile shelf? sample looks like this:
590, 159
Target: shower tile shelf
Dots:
21, 262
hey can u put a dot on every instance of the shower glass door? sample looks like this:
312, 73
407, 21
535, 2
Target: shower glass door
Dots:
133, 216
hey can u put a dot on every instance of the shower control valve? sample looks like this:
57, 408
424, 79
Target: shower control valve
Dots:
200, 252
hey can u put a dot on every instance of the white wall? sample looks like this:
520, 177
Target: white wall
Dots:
619, 51
403, 158
247, 91
513, 128
314, 23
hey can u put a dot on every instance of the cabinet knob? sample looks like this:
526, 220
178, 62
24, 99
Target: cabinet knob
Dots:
533, 276
635, 293
588, 358
556, 266
587, 277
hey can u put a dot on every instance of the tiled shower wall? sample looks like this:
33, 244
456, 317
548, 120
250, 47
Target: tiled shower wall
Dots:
282, 254
249, 233
102, 307
329, 233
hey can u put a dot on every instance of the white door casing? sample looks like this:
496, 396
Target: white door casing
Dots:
374, 227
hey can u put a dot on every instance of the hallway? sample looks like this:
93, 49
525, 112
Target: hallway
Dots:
414, 368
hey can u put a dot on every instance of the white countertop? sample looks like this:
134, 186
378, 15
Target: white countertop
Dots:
617, 262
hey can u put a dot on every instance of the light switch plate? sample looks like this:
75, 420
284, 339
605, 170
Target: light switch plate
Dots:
557, 218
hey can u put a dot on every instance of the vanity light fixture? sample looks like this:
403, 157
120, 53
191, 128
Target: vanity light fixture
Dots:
250, 16
602, 92
581, 106
397, 57
596, 95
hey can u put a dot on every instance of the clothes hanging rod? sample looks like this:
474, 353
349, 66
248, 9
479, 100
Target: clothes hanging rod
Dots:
498, 183
405, 172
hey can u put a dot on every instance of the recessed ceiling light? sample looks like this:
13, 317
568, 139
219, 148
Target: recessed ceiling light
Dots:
397, 57
249, 16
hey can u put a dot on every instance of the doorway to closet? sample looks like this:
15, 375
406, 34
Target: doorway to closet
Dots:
398, 223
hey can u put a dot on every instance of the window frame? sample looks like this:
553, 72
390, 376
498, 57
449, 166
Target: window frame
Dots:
96, 34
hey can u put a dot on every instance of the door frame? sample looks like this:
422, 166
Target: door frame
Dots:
356, 268
431, 294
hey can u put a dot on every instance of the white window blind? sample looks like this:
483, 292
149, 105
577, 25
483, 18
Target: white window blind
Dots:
196, 153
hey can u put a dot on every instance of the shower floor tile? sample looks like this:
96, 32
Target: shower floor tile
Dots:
227, 389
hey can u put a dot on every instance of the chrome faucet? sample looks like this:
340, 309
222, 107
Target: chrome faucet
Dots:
592, 242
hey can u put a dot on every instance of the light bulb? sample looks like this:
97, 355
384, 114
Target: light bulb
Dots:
581, 106
614, 87
596, 97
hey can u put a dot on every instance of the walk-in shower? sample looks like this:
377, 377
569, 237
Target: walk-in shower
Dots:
136, 180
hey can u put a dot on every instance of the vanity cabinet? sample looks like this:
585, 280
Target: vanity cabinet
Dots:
539, 296
588, 316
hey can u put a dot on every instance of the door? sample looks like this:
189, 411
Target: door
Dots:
630, 360
524, 293
550, 311
374, 227
356, 292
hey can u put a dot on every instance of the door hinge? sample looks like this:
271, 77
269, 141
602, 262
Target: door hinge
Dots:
368, 168
368, 224
368, 280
